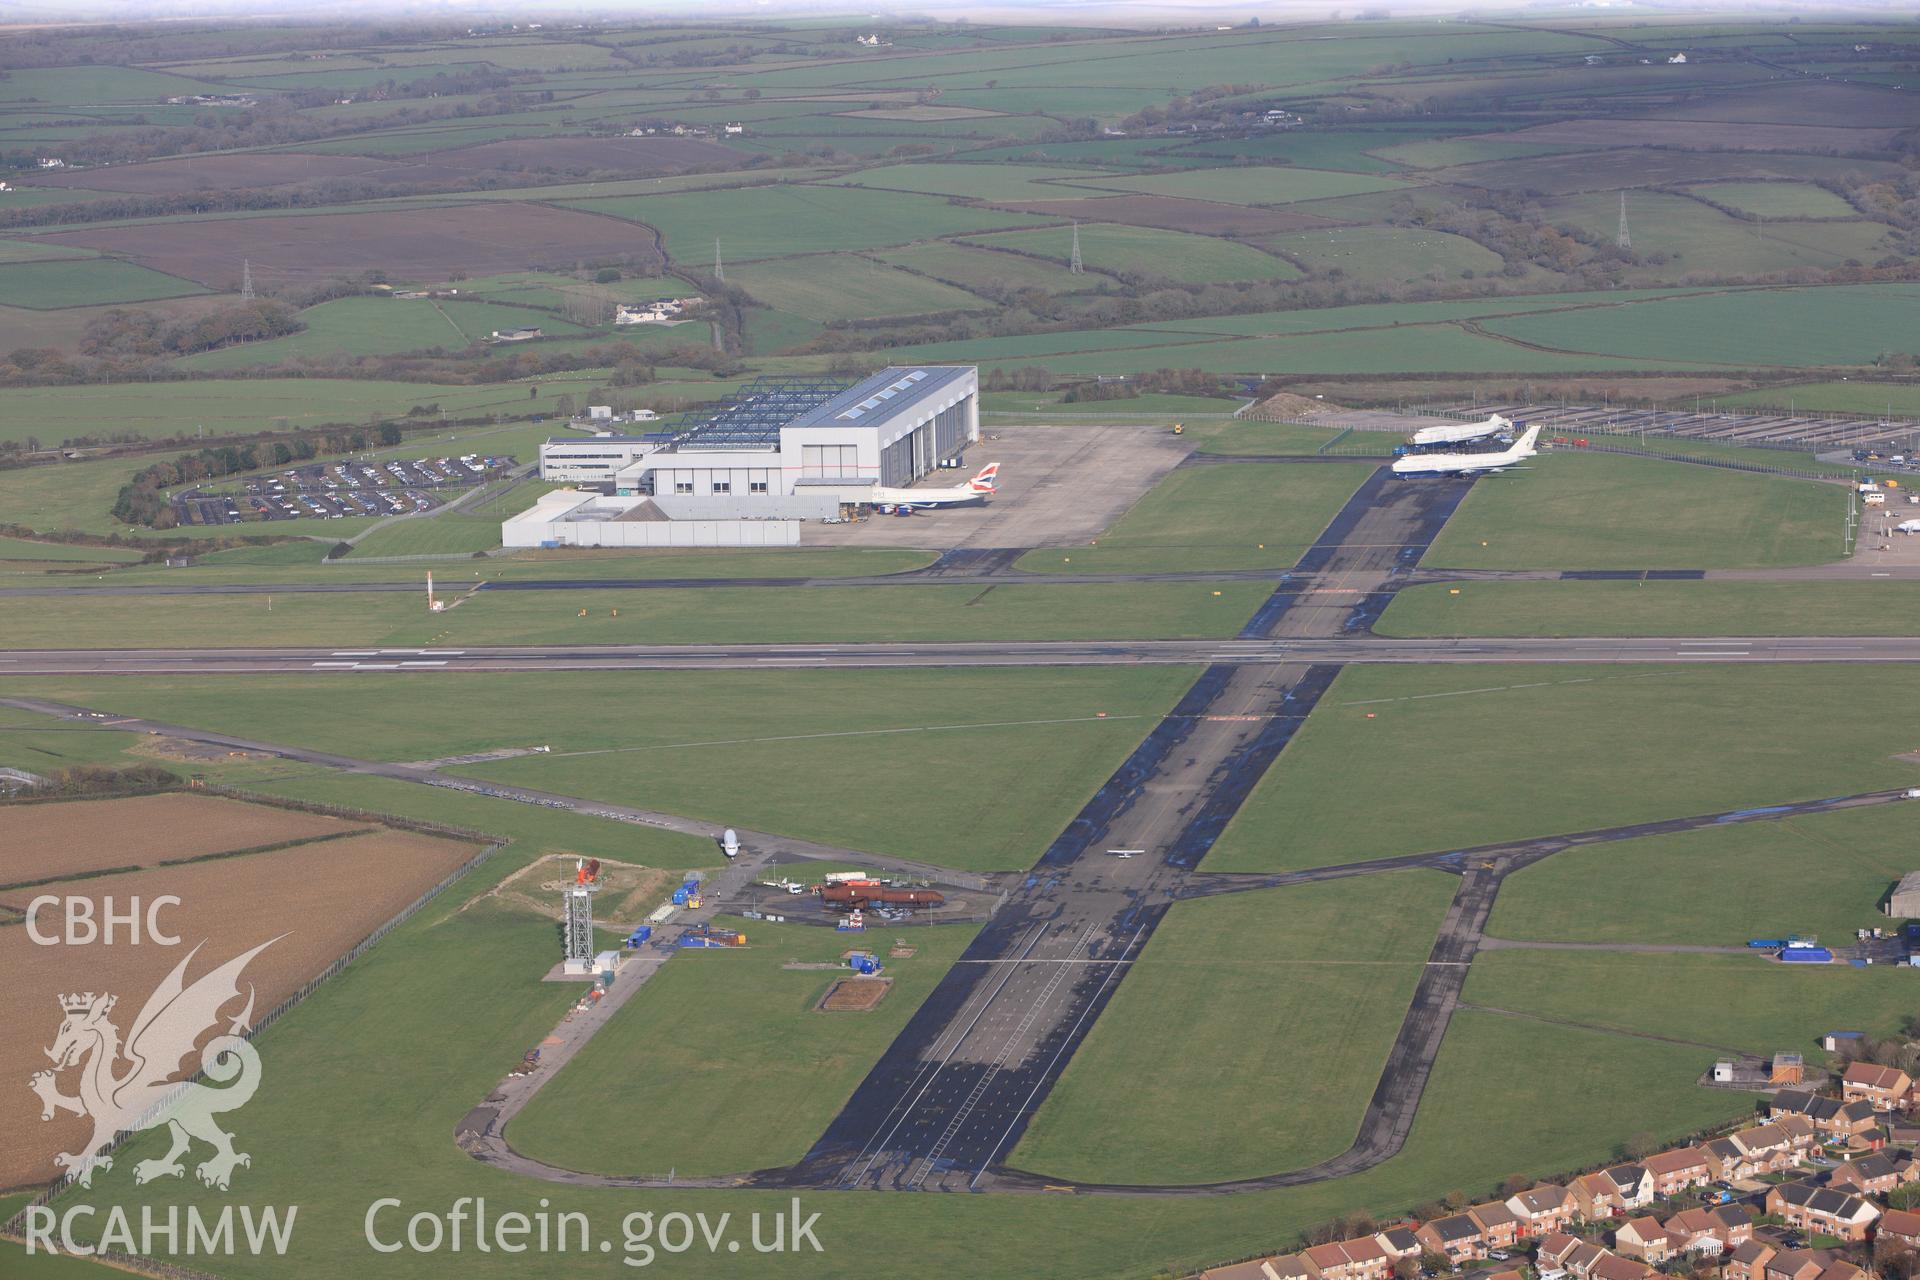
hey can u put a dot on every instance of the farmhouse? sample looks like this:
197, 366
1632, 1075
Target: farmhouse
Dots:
1814, 1208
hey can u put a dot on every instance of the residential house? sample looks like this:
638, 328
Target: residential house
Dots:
1543, 1209
1831, 1118
1286, 1267
1809, 1264
1674, 1171
1644, 1238
1613, 1191
1457, 1238
1360, 1259
1765, 1148
1887, 1088
1615, 1267
1554, 1249
1873, 1175
1398, 1243
1499, 1224
1822, 1209
1748, 1261
1712, 1231
1900, 1227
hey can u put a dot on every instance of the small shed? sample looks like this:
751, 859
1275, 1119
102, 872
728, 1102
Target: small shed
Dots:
1904, 902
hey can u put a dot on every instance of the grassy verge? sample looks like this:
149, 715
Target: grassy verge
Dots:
1732, 1002
707, 615
1491, 753
1610, 511
971, 768
1855, 608
1175, 1083
1253, 516
725, 1035
1719, 886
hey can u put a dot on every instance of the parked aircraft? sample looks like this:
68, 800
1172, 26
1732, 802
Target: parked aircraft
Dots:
1458, 464
1461, 432
975, 490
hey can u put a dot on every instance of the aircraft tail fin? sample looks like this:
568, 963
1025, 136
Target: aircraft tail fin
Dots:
1524, 446
987, 481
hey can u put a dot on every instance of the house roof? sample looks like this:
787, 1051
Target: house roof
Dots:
1557, 1244
1493, 1214
1400, 1240
1363, 1249
1457, 1227
1752, 1253
1326, 1255
1678, 1160
1900, 1222
1822, 1200
1732, 1215
1693, 1222
1626, 1176
1646, 1229
1615, 1267
1762, 1137
1544, 1198
1871, 1075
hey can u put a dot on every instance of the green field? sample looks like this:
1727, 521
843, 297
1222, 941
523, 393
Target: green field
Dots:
382, 326
1777, 199
12, 251
1386, 255
28, 549
1251, 437
1823, 875
1841, 608
1329, 1000
85, 282
183, 408
1614, 511
706, 615
973, 181
1720, 1003
1035, 740
1148, 252
1251, 185
985, 269
703, 1112
1696, 237
1491, 753
788, 219
842, 286
1247, 516
1876, 400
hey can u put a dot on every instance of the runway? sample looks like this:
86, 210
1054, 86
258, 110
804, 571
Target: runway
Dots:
1354, 604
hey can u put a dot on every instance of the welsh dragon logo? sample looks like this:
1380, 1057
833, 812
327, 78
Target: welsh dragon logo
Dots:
124, 1085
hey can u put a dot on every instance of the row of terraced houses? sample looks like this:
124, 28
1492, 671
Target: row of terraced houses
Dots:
1835, 1201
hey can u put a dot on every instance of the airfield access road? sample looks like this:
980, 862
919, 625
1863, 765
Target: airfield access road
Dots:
1302, 650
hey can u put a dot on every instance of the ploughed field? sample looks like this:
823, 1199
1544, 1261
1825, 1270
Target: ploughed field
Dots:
317, 887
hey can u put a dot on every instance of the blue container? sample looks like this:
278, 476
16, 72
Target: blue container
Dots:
1807, 955
1766, 944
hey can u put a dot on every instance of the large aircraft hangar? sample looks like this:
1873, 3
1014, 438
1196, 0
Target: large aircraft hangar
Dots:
781, 449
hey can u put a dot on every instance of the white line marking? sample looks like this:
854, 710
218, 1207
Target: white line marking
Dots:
336, 664
789, 659
356, 653
1713, 653
428, 663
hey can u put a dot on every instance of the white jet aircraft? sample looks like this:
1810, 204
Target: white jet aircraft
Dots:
1461, 464
1907, 526
1461, 432
977, 489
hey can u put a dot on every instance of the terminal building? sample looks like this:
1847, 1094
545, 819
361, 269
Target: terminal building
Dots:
782, 449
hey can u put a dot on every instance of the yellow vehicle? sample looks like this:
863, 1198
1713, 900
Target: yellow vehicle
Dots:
1179, 429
